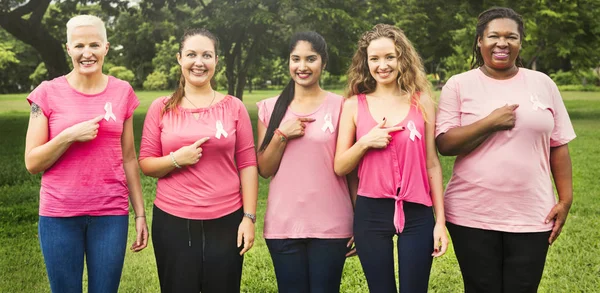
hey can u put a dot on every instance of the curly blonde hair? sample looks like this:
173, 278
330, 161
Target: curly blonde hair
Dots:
411, 77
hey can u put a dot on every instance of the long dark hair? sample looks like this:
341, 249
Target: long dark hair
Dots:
287, 95
482, 22
179, 92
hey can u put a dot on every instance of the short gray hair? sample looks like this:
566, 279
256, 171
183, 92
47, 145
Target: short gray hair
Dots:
86, 20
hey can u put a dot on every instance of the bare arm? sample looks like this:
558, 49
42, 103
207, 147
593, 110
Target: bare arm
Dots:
464, 139
41, 154
562, 172
130, 165
348, 153
160, 166
434, 174
268, 160
249, 181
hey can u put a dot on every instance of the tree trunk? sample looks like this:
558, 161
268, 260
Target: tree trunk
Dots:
31, 32
241, 83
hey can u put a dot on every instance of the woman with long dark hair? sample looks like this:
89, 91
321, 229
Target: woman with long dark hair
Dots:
308, 223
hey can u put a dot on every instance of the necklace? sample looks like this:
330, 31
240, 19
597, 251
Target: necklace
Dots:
211, 101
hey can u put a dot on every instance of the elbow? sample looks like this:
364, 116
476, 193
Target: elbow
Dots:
32, 168
264, 173
444, 151
339, 170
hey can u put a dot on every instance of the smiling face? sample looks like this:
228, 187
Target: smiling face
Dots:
87, 49
305, 64
198, 60
500, 44
382, 59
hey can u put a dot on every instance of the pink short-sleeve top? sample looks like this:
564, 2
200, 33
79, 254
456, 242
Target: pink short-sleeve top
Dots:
505, 184
306, 198
88, 179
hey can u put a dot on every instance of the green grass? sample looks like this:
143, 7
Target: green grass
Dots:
573, 263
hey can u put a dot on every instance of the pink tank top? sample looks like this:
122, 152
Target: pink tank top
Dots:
398, 171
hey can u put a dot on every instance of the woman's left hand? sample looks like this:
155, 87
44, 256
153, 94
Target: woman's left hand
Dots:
141, 240
245, 234
559, 214
440, 240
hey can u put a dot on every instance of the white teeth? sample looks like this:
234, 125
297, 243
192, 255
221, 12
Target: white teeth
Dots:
88, 62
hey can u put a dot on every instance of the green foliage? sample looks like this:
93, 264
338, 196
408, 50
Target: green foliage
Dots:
576, 77
40, 74
121, 72
156, 80
579, 88
7, 55
165, 60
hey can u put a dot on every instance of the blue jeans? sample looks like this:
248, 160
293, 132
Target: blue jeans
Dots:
308, 265
65, 242
373, 234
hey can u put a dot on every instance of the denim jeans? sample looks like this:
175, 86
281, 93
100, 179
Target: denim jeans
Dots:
65, 242
308, 265
373, 234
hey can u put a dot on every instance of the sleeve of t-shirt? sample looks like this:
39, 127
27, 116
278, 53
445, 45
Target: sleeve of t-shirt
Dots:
563, 131
448, 115
245, 155
151, 145
132, 102
263, 112
39, 97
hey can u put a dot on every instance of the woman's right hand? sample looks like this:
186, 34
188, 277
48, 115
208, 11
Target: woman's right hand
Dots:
379, 137
190, 154
294, 128
84, 131
504, 118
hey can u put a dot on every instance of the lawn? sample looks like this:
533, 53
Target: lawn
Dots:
573, 263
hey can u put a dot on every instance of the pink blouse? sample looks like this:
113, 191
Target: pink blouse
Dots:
398, 171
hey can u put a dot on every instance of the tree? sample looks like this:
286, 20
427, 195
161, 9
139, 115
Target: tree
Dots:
23, 19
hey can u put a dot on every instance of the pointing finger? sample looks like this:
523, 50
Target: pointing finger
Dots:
514, 107
201, 141
96, 119
394, 129
306, 119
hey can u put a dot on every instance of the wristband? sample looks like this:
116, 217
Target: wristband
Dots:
282, 136
173, 160
251, 217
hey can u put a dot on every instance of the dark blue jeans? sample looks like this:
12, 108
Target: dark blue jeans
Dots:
65, 242
308, 265
373, 234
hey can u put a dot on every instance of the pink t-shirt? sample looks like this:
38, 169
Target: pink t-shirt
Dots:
306, 198
398, 171
88, 179
209, 189
505, 183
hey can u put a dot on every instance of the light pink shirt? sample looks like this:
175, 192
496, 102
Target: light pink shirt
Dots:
306, 198
505, 183
398, 171
88, 179
209, 189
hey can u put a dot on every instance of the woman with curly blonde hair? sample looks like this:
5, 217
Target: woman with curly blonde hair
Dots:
386, 129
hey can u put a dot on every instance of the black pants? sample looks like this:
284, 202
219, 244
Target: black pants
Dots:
195, 256
373, 234
499, 262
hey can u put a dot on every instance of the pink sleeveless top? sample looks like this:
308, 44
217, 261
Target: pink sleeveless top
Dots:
398, 171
